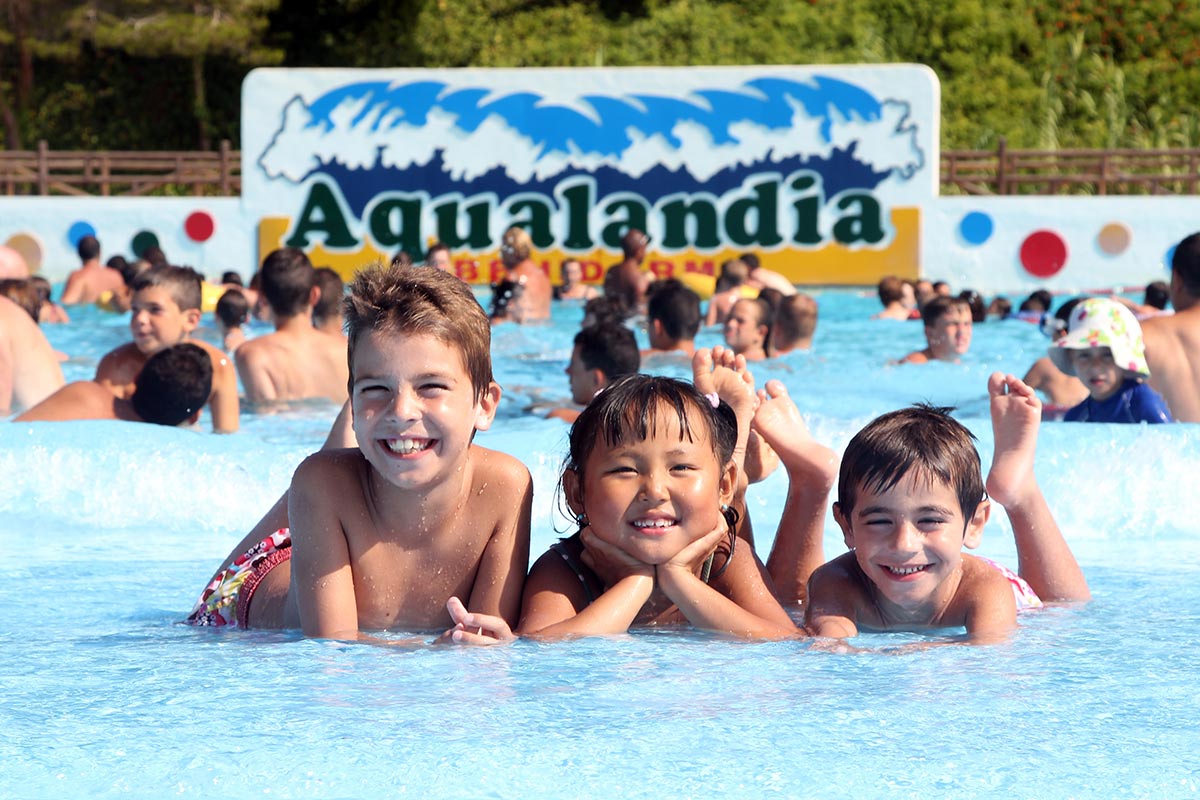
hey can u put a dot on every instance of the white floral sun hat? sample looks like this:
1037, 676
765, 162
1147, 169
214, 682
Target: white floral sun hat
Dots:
1099, 322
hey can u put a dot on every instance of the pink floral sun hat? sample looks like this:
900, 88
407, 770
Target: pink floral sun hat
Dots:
1099, 322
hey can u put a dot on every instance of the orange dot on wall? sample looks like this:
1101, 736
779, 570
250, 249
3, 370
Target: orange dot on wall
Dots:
1114, 238
30, 249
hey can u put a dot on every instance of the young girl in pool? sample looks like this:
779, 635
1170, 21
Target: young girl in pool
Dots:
1103, 348
652, 475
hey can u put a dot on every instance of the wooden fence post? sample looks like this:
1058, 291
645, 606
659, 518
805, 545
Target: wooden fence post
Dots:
43, 167
225, 167
1002, 166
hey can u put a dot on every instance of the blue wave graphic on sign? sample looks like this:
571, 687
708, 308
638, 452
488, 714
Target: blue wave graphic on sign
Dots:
374, 136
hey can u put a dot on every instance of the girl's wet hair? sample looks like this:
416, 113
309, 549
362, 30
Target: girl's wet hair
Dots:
628, 410
922, 439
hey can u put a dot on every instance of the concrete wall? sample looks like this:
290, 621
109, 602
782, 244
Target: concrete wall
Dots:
1108, 241
210, 234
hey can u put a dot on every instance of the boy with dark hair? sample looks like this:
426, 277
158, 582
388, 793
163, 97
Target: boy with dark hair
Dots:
748, 328
438, 257
602, 353
327, 313
794, 324
673, 314
166, 309
1158, 294
170, 390
732, 285
297, 361
910, 497
92, 280
231, 313
625, 281
603, 309
892, 296
948, 327
382, 535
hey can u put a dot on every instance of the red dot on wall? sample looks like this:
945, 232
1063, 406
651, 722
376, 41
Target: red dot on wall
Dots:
1043, 254
199, 226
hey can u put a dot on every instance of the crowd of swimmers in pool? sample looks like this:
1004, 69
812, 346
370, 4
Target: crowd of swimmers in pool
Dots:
402, 521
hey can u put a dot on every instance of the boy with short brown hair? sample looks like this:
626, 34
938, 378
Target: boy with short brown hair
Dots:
948, 327
911, 496
383, 534
166, 309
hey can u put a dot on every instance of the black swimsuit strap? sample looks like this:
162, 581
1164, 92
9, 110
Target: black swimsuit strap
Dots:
570, 549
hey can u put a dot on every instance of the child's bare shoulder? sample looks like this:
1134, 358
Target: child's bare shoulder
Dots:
838, 583
494, 468
220, 359
842, 568
982, 580
325, 469
123, 357
552, 581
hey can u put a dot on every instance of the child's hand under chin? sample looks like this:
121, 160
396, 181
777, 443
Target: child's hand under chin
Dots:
691, 557
609, 561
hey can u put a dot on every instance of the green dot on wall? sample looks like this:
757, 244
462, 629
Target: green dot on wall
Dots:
141, 241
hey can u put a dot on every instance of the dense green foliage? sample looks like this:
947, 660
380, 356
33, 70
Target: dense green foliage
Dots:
145, 75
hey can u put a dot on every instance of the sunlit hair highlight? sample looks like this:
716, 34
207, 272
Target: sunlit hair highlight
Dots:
392, 301
922, 440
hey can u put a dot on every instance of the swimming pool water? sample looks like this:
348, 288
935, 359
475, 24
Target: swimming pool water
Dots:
109, 530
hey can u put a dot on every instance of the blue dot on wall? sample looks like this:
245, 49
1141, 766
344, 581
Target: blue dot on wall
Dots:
976, 227
78, 230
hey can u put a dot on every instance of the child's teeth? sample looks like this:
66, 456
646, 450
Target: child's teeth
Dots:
406, 446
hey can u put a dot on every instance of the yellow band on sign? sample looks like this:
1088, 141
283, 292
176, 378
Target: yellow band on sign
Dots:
832, 264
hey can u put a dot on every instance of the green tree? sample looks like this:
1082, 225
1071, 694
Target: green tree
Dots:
187, 29
34, 31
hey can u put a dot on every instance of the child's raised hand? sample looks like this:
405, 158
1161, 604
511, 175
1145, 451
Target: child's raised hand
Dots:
608, 560
475, 629
1016, 417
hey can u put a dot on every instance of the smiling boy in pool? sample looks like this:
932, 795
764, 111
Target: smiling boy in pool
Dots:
166, 311
911, 496
382, 534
